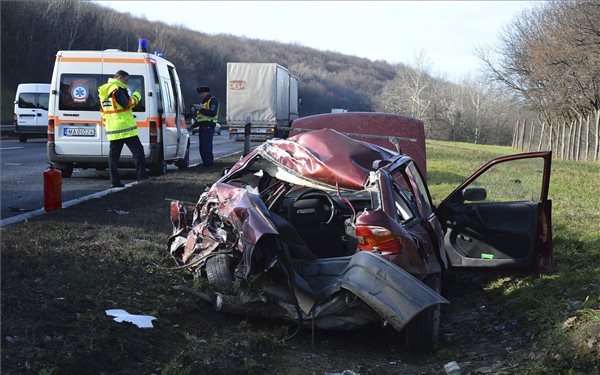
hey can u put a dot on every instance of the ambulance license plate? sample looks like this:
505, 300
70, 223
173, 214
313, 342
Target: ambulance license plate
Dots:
79, 132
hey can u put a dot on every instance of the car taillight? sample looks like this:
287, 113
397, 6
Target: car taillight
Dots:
14, 119
153, 132
51, 130
374, 238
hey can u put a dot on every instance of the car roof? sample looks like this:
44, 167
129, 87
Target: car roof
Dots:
373, 127
324, 156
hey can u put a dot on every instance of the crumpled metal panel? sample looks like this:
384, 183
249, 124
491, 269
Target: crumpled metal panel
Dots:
393, 293
373, 127
348, 293
326, 156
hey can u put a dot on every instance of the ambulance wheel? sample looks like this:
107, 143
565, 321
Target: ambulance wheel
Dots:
22, 138
185, 162
65, 170
159, 168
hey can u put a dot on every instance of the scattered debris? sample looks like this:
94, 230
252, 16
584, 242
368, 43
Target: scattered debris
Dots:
19, 209
452, 368
569, 322
142, 321
119, 212
345, 372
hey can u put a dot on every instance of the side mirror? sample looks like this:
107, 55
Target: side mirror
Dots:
474, 194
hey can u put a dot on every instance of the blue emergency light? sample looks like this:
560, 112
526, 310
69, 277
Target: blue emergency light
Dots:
142, 45
158, 53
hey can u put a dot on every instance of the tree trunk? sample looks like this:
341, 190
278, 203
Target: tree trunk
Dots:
562, 139
523, 135
578, 143
539, 148
551, 138
597, 146
515, 135
587, 137
531, 131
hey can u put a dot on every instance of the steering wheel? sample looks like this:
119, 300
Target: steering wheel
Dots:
318, 194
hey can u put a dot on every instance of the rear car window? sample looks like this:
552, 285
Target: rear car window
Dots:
33, 100
42, 101
79, 92
27, 100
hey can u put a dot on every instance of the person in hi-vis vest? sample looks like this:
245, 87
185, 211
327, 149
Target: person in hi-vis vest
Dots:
206, 120
116, 109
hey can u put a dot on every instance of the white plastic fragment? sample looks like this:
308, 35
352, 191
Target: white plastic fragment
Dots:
142, 321
452, 368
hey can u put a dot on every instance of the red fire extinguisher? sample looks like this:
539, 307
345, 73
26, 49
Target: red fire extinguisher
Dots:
52, 188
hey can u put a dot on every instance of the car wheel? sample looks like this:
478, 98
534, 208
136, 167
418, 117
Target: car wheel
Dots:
22, 138
218, 271
423, 330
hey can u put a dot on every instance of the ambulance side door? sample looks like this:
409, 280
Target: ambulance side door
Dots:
168, 131
180, 125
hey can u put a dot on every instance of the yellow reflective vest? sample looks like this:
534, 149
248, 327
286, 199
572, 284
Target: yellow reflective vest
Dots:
206, 105
119, 122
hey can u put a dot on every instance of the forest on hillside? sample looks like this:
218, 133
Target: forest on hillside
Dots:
541, 88
33, 31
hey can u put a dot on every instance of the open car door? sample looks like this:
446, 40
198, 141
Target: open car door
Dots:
500, 217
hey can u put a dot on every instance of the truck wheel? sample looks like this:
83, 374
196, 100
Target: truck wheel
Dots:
185, 162
423, 330
218, 271
22, 138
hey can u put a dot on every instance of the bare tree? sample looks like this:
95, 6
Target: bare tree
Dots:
550, 56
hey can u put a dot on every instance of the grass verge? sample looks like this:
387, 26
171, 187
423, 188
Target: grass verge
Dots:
59, 272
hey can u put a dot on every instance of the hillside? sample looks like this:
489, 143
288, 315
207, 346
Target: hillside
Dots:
32, 33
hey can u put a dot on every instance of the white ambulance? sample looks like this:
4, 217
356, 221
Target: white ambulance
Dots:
76, 135
31, 110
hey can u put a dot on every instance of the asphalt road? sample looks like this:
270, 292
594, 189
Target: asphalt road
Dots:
23, 165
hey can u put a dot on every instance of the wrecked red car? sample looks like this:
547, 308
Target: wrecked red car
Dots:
336, 233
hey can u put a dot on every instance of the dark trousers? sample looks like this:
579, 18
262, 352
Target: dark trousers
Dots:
205, 137
137, 150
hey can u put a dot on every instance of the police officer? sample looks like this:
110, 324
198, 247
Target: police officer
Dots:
117, 115
206, 120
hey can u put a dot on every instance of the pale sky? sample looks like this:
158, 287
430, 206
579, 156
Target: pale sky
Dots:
446, 33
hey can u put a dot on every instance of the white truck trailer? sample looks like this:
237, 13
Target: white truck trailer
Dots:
264, 94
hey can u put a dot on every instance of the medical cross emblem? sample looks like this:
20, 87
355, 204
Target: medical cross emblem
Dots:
79, 94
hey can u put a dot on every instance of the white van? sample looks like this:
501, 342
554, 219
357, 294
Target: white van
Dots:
31, 110
76, 135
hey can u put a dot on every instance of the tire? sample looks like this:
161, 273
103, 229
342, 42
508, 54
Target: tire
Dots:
159, 168
423, 330
66, 171
22, 138
185, 162
218, 271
